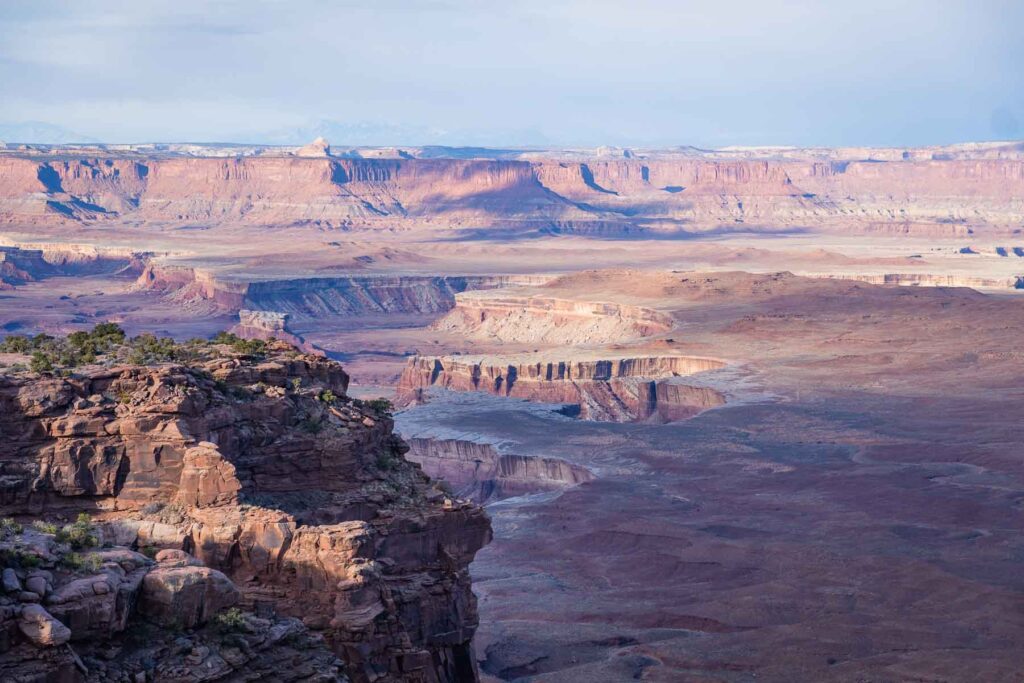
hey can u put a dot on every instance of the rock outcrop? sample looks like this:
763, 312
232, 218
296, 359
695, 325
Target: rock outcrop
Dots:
115, 614
270, 325
318, 148
621, 389
19, 265
479, 472
542, 319
275, 481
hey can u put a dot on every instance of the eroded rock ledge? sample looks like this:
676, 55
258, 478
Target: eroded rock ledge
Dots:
613, 389
264, 470
480, 472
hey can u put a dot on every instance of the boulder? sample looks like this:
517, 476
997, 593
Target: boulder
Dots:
185, 596
170, 557
10, 581
41, 627
37, 584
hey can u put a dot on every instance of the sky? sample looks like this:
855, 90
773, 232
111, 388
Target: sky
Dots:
523, 72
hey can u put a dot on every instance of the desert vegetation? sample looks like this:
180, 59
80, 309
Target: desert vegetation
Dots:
107, 344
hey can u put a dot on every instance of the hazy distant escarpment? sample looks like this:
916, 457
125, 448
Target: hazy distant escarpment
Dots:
939, 192
216, 511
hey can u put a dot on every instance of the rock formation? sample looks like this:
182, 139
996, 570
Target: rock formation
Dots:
536, 318
312, 297
19, 265
274, 480
605, 389
479, 472
318, 148
270, 325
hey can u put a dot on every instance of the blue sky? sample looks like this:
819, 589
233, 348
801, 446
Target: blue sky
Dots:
574, 72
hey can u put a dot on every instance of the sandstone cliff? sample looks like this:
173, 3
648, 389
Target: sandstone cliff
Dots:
315, 297
479, 472
903, 192
264, 470
621, 389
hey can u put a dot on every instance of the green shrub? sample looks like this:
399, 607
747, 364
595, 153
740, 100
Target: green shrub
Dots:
45, 527
16, 343
41, 363
9, 526
296, 383
79, 535
229, 620
77, 562
17, 557
380, 405
28, 560
249, 347
327, 396
147, 348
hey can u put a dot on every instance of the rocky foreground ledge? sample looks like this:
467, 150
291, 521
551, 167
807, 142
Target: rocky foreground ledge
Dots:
225, 518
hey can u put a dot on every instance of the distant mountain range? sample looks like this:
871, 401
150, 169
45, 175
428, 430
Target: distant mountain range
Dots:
40, 132
372, 133
339, 133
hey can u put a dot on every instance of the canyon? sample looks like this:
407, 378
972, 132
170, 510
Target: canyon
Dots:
734, 415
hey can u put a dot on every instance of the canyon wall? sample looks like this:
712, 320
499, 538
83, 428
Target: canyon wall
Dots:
613, 390
267, 472
942, 195
359, 295
21, 264
480, 473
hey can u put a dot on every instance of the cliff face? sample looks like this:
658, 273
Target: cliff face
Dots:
936, 195
614, 390
21, 265
479, 472
265, 471
322, 296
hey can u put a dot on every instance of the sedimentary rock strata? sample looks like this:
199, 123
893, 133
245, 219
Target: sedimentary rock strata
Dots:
265, 471
19, 265
312, 297
936, 192
540, 319
623, 389
479, 472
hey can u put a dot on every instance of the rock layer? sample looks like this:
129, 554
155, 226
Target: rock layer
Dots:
536, 319
607, 389
318, 297
479, 472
